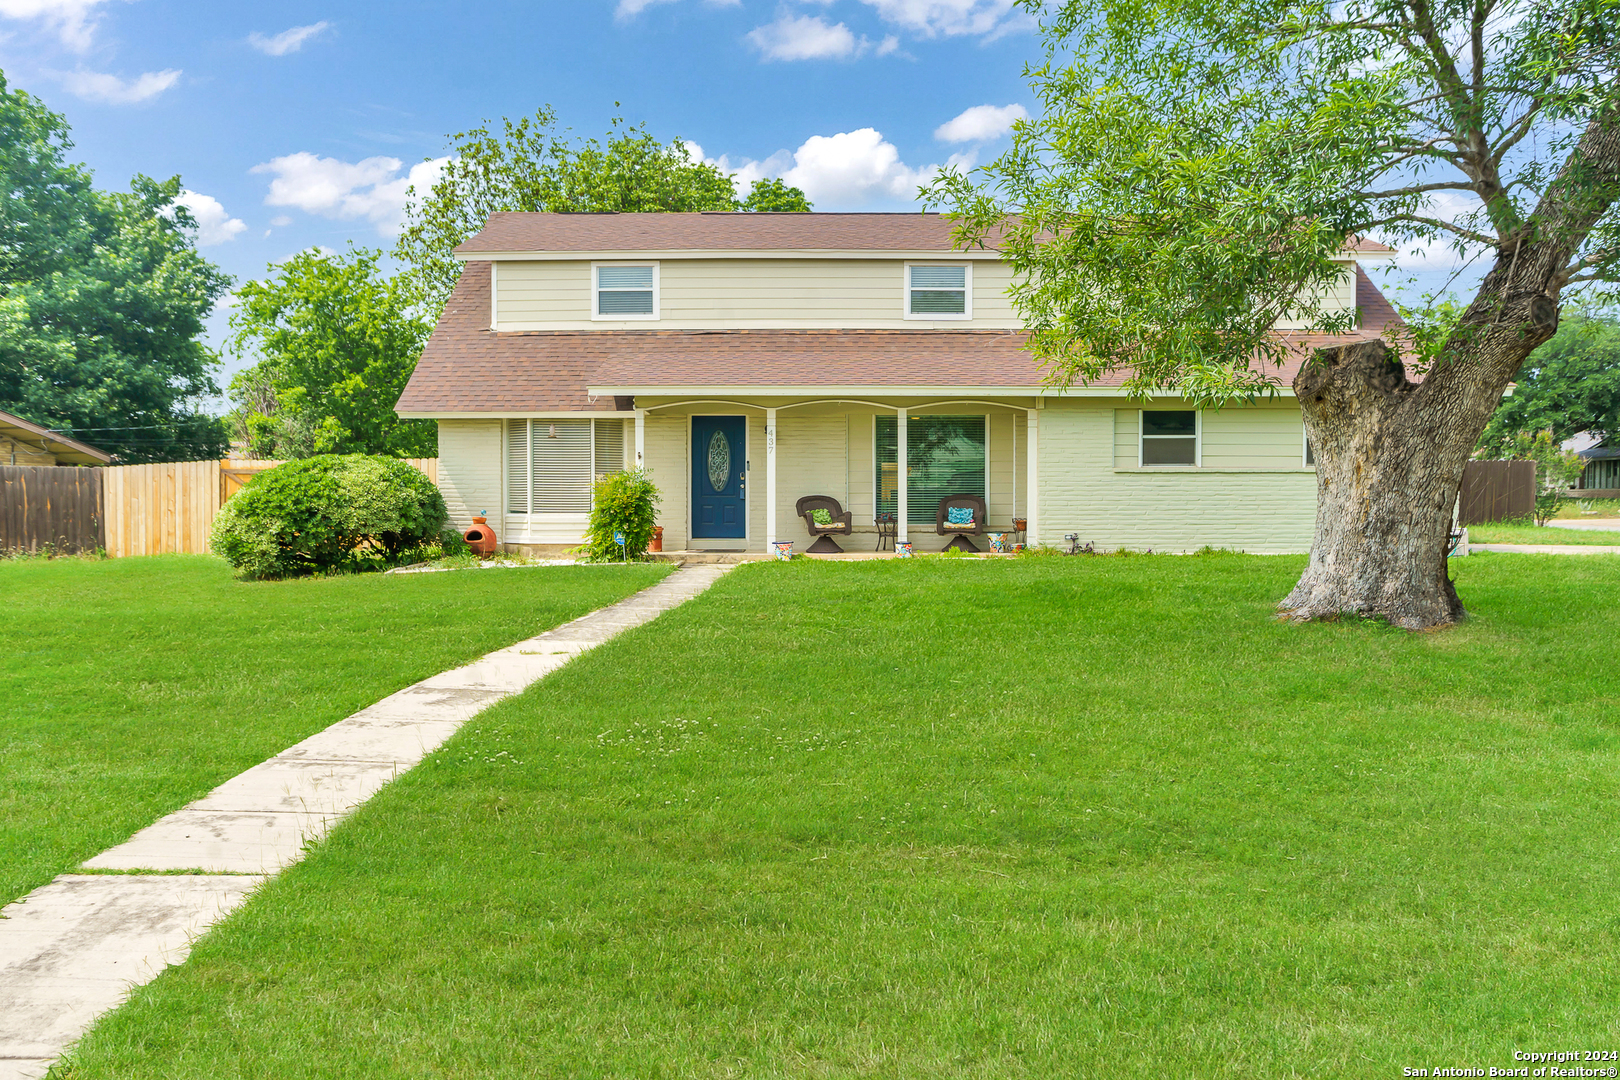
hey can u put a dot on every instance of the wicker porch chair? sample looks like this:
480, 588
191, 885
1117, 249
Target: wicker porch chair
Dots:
842, 522
959, 533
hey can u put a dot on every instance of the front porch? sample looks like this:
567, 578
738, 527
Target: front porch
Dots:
736, 492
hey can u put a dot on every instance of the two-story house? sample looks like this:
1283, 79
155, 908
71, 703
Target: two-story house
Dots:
747, 360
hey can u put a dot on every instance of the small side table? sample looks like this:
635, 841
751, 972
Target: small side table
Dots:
1020, 526
888, 526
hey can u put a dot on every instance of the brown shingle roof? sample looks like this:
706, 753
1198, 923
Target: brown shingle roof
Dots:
505, 232
467, 368
512, 231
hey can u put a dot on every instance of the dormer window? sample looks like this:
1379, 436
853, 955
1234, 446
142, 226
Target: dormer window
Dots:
625, 291
938, 292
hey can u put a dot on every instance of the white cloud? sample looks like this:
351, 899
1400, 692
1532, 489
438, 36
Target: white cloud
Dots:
980, 124
99, 86
852, 168
805, 37
331, 188
836, 172
951, 18
281, 221
629, 9
71, 20
214, 224
288, 41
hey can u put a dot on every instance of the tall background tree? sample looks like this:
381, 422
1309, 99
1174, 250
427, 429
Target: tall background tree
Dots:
529, 164
1198, 163
335, 340
102, 300
1568, 386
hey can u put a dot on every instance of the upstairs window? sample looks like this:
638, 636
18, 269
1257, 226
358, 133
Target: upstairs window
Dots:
1169, 437
626, 292
937, 292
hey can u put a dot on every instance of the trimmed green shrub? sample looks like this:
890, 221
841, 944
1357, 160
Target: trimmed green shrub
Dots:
326, 512
624, 502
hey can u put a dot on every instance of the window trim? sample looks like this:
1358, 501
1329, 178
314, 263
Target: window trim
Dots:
1198, 439
935, 316
596, 290
877, 493
1305, 461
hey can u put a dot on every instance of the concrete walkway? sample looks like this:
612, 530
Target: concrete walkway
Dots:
75, 948
1549, 549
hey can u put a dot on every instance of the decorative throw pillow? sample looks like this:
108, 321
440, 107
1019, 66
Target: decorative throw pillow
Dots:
959, 515
821, 516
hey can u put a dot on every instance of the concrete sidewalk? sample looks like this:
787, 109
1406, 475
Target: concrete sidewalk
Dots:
1548, 549
75, 948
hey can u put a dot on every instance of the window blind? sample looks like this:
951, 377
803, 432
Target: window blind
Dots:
946, 455
938, 290
550, 466
624, 290
609, 446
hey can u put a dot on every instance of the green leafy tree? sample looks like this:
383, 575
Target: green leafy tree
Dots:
102, 300
529, 164
775, 196
1556, 468
1196, 165
1569, 385
337, 341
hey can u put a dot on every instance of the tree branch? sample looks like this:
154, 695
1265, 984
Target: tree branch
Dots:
1417, 219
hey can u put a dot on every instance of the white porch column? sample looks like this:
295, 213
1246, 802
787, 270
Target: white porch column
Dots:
770, 478
641, 438
900, 527
1032, 480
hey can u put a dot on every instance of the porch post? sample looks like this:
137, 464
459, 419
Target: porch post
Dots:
770, 478
900, 528
1032, 481
641, 438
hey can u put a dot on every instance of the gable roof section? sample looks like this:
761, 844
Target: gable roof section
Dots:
467, 369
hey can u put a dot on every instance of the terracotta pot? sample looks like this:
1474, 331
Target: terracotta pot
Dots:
481, 538
657, 541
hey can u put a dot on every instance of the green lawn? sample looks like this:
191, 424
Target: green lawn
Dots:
951, 818
1500, 533
130, 687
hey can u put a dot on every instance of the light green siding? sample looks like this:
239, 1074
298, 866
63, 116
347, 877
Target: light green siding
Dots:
716, 294
1250, 494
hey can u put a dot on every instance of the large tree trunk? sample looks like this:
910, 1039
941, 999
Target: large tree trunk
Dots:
1388, 464
1390, 451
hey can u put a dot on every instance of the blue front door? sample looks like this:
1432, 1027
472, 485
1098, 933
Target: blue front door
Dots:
719, 469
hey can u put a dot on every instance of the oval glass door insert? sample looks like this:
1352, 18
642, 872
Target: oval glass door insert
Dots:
719, 460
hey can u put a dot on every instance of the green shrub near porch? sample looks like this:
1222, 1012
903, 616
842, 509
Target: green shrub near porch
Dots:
621, 502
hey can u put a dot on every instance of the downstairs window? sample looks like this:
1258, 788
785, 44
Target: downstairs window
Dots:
551, 464
946, 455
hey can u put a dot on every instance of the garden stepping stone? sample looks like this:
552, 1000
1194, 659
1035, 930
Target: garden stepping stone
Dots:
75, 948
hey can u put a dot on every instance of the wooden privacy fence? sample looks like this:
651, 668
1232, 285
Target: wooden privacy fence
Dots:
1495, 490
53, 508
170, 507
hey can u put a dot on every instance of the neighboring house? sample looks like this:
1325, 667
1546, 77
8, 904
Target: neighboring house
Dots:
751, 359
25, 443
1602, 472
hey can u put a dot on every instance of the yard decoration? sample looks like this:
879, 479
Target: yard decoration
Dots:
481, 538
622, 503
324, 512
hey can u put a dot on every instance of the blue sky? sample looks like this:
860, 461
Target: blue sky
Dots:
299, 124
